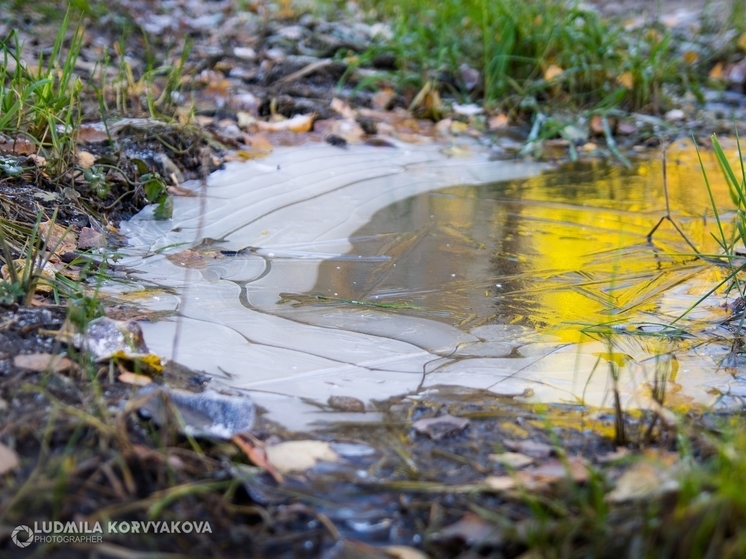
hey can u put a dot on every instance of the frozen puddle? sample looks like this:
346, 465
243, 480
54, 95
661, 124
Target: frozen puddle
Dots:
372, 272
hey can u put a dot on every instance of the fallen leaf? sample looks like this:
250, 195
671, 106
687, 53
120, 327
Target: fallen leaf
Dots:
497, 122
132, 378
343, 108
299, 456
90, 238
93, 133
500, 483
382, 98
297, 124
349, 130
625, 80
530, 448
717, 73
618, 454
690, 57
17, 146
512, 459
85, 159
41, 362
256, 453
553, 471
8, 459
258, 142
439, 427
471, 529
346, 403
187, 258
643, 481
59, 240
404, 552
553, 72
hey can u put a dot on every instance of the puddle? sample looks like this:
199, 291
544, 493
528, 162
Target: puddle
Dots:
372, 272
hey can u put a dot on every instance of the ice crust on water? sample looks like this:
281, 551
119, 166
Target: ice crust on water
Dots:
298, 208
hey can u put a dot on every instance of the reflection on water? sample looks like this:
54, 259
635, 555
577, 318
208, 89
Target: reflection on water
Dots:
551, 252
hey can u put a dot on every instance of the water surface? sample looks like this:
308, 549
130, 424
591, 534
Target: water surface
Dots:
371, 272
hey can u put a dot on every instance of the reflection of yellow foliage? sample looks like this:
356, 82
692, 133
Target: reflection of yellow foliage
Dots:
586, 275
618, 359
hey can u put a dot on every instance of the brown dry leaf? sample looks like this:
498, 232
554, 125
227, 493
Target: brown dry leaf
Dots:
346, 403
498, 121
187, 258
132, 378
8, 459
642, 481
299, 456
471, 529
258, 142
85, 159
439, 427
625, 80
41, 362
620, 453
530, 448
258, 456
553, 471
349, 130
597, 125
404, 552
342, 108
552, 72
47, 273
717, 72
512, 459
60, 240
297, 124
17, 146
382, 98
500, 483
93, 133
90, 238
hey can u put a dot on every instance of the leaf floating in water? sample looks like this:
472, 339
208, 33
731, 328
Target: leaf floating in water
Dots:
439, 427
202, 414
346, 403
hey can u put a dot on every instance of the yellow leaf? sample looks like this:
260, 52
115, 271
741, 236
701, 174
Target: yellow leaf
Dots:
742, 41
552, 72
717, 72
619, 359
626, 80
690, 57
